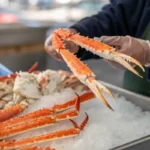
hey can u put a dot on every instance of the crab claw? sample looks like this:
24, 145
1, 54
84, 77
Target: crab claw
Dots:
124, 59
120, 58
108, 52
96, 87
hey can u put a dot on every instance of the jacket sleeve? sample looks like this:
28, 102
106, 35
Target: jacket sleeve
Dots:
119, 17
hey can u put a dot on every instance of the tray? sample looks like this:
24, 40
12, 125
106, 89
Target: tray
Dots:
144, 103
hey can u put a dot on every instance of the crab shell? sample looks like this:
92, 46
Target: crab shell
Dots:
49, 81
6, 92
29, 87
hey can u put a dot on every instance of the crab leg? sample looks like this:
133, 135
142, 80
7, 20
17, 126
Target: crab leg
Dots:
33, 67
80, 70
7, 145
100, 49
7, 131
46, 111
25, 118
37, 148
83, 98
10, 112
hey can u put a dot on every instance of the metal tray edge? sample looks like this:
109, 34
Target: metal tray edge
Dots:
138, 99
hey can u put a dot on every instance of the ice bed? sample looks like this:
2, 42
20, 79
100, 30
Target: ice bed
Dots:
127, 128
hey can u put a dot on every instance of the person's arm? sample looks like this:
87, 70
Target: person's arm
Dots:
120, 17
148, 76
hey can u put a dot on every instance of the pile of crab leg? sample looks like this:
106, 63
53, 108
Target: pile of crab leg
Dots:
42, 118
37, 148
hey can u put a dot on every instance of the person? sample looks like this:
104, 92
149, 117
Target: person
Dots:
124, 24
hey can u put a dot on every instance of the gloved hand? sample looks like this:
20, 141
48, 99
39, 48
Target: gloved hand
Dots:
136, 48
69, 45
4, 70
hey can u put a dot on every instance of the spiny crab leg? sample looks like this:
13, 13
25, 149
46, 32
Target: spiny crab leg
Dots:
83, 98
10, 112
100, 49
72, 132
46, 111
36, 148
80, 70
7, 131
25, 118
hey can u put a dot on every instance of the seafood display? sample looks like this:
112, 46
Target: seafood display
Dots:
22, 89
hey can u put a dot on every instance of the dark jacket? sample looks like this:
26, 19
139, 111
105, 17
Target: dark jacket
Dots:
120, 17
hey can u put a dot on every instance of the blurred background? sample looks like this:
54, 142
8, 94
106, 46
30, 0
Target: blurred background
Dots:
25, 24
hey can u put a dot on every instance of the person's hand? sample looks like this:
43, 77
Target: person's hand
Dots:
4, 70
69, 45
136, 48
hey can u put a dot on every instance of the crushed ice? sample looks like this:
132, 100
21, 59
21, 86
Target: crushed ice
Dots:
105, 129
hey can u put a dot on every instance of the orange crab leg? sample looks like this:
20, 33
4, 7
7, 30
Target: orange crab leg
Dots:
7, 145
25, 118
46, 111
37, 148
83, 98
34, 124
10, 112
32, 69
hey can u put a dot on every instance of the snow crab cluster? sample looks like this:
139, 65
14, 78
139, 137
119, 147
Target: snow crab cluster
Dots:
27, 87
